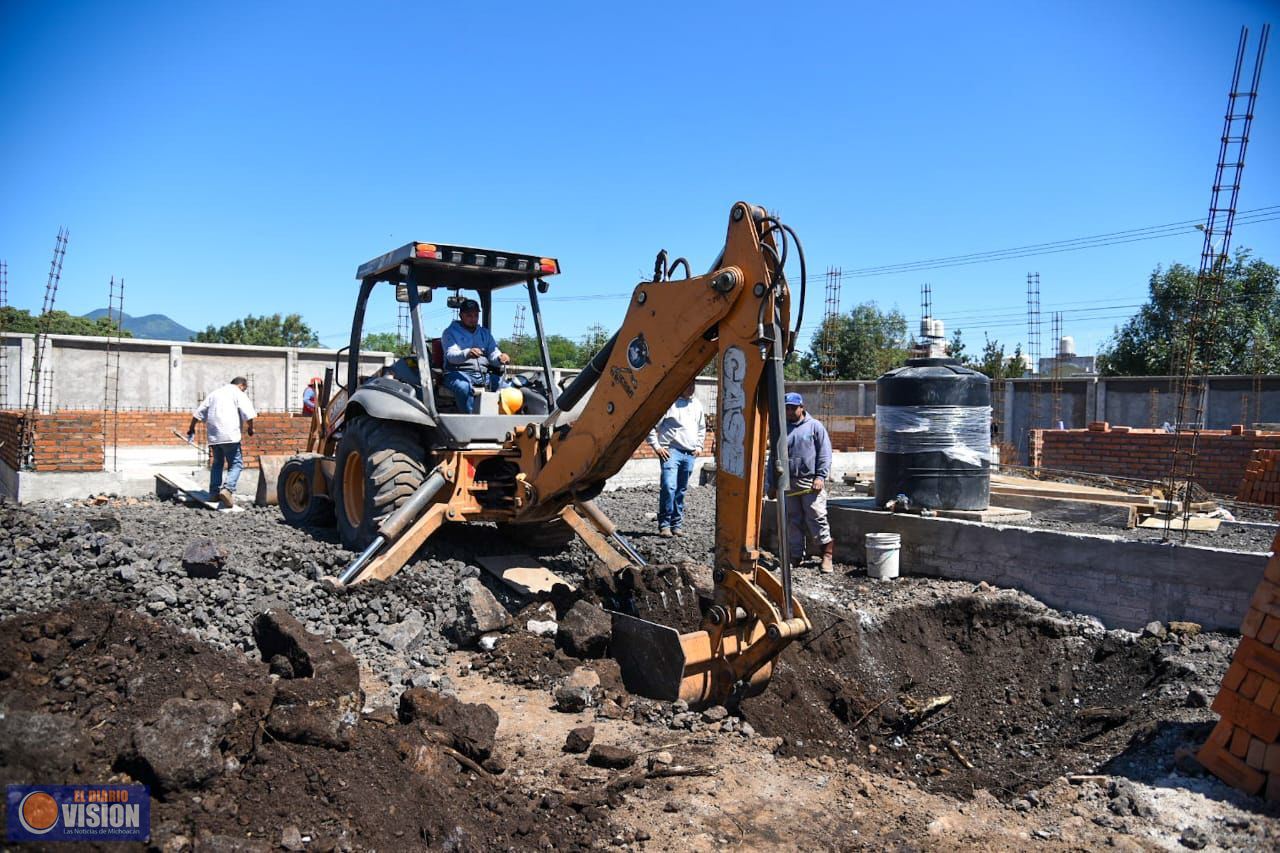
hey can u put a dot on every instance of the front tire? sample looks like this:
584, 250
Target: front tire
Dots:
295, 489
379, 466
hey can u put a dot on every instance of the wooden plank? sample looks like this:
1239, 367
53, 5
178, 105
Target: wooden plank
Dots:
522, 573
1195, 524
168, 485
1230, 769
1076, 492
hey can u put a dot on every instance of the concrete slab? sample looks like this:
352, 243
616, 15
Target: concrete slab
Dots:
522, 572
992, 514
27, 486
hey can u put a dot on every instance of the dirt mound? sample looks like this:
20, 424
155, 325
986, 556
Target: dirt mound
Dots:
117, 695
968, 692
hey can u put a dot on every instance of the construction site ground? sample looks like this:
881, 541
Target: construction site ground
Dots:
920, 714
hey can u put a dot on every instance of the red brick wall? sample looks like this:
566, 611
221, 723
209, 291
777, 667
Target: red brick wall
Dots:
73, 440
1145, 454
62, 441
861, 437
10, 438
644, 451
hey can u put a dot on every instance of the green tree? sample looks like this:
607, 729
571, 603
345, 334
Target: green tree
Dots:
385, 342
592, 342
58, 323
993, 363
865, 343
955, 348
564, 352
267, 331
1245, 337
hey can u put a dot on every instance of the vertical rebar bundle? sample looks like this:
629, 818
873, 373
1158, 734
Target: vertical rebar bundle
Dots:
40, 388
111, 377
926, 301
402, 324
517, 330
4, 344
827, 347
1202, 315
1033, 349
1055, 385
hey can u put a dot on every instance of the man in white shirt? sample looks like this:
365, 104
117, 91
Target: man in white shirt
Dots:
222, 411
677, 439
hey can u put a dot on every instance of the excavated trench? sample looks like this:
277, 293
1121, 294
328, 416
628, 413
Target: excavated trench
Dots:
1032, 696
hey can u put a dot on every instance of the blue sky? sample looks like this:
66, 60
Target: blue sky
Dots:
239, 158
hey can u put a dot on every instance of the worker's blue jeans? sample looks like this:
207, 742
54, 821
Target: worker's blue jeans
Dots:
227, 455
460, 385
676, 469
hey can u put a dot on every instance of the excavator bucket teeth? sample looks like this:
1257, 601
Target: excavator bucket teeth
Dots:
651, 657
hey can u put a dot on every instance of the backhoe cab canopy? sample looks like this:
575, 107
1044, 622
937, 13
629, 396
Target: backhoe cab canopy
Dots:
435, 265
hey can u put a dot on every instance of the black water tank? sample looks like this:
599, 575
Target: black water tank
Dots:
933, 435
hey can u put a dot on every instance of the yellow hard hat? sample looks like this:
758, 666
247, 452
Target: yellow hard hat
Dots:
510, 401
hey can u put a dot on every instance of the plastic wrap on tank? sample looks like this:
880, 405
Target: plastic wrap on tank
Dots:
960, 432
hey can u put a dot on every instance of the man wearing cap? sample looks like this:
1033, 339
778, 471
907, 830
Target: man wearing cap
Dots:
469, 354
223, 412
809, 455
676, 439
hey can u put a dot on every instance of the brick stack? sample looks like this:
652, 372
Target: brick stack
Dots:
1261, 483
1244, 748
852, 433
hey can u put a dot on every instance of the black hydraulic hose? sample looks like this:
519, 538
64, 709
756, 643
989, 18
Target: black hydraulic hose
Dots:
804, 283
582, 383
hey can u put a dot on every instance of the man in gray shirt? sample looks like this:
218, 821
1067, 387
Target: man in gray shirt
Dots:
809, 455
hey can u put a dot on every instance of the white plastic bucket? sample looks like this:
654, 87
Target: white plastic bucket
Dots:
882, 555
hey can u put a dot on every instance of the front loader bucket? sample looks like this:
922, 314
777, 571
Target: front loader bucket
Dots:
658, 662
268, 473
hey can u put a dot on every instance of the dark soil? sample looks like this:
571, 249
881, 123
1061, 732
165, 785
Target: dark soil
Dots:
1033, 695
101, 672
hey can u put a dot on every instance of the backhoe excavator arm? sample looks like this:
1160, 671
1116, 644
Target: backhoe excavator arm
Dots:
740, 312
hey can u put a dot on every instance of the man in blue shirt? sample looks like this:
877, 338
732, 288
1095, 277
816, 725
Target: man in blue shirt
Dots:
470, 354
809, 458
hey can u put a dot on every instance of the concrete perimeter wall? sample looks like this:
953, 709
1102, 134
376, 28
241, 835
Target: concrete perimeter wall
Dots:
1124, 583
161, 375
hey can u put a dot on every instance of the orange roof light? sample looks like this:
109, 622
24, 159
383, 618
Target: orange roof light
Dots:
427, 250
548, 265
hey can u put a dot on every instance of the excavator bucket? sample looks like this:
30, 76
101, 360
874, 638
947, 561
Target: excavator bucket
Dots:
658, 662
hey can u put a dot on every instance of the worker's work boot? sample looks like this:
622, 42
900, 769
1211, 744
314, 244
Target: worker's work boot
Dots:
226, 498
664, 532
828, 551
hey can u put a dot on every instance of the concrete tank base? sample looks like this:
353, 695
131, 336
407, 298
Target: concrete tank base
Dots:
1124, 583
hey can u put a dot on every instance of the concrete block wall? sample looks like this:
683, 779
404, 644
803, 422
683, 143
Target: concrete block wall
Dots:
1222, 456
1125, 584
169, 375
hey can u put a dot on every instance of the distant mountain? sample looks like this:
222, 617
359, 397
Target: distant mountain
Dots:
155, 326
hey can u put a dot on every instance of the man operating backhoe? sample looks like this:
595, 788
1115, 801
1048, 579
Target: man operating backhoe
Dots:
471, 356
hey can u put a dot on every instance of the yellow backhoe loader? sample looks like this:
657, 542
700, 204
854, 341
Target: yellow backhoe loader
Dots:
393, 459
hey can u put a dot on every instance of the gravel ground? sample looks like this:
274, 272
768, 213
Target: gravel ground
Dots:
1014, 666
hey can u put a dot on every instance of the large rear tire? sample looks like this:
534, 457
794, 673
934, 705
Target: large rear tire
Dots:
544, 537
299, 503
379, 466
